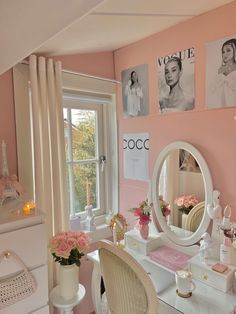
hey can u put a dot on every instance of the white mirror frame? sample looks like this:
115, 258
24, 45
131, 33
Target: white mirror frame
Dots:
195, 237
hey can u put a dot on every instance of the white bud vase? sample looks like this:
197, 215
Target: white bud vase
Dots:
68, 281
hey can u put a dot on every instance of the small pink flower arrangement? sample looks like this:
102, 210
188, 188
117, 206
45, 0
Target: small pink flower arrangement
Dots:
143, 212
165, 207
186, 202
68, 247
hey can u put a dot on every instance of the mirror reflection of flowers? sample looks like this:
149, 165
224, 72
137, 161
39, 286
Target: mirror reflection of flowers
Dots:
186, 202
143, 212
68, 247
165, 207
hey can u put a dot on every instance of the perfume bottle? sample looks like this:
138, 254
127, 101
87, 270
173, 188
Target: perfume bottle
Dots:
226, 218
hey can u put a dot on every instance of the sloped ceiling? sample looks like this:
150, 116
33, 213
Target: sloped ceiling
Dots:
117, 23
26, 24
57, 27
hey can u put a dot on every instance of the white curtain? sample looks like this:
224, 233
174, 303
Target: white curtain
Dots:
49, 151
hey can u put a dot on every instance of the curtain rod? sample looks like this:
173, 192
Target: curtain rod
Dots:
82, 74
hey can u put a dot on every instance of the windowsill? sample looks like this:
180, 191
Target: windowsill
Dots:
102, 231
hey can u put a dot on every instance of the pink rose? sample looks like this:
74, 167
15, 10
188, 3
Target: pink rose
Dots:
72, 242
63, 250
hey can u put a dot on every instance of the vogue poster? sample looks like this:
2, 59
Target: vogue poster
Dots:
176, 81
221, 73
135, 91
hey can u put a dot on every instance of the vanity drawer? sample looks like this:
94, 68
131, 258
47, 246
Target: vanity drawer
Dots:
204, 273
37, 300
29, 244
134, 242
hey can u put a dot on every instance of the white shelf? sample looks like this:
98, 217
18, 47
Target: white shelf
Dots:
13, 218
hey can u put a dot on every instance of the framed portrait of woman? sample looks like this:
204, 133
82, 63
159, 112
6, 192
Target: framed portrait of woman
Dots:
176, 81
135, 91
221, 73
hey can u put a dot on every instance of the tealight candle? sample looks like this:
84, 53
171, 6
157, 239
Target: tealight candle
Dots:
28, 206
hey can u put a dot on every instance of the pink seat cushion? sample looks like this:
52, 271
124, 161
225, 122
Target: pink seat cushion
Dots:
170, 258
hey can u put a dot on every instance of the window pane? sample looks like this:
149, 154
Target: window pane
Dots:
83, 134
85, 188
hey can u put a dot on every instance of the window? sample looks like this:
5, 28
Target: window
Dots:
91, 99
85, 148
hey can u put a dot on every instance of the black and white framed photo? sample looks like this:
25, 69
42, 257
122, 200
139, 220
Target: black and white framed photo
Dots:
135, 91
176, 81
221, 73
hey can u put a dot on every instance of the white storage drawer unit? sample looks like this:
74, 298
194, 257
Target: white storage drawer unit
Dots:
36, 300
30, 244
204, 273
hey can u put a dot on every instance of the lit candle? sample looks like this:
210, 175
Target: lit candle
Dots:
28, 207
114, 233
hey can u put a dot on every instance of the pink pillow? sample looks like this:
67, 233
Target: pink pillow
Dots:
170, 258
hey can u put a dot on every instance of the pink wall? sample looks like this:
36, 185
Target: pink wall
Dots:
97, 64
212, 132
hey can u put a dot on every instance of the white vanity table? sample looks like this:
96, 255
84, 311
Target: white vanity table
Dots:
205, 299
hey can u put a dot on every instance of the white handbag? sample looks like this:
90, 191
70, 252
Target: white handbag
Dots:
17, 287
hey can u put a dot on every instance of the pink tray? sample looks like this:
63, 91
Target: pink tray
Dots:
170, 258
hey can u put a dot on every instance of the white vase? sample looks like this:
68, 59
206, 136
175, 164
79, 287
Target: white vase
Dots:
68, 280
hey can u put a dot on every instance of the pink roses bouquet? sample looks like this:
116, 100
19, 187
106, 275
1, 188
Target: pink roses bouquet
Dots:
186, 202
68, 247
143, 212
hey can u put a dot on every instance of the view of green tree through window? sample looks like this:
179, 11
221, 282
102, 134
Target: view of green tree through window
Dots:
82, 158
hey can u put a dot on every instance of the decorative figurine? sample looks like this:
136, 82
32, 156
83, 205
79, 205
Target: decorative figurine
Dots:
215, 211
90, 222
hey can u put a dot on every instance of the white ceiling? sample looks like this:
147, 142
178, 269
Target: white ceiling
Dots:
117, 23
58, 27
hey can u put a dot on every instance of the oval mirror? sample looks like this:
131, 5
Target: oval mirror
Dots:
181, 189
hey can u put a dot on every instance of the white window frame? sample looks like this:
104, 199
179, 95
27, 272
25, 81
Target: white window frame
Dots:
77, 83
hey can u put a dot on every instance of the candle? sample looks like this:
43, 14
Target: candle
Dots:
26, 209
114, 233
5, 171
88, 192
28, 206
